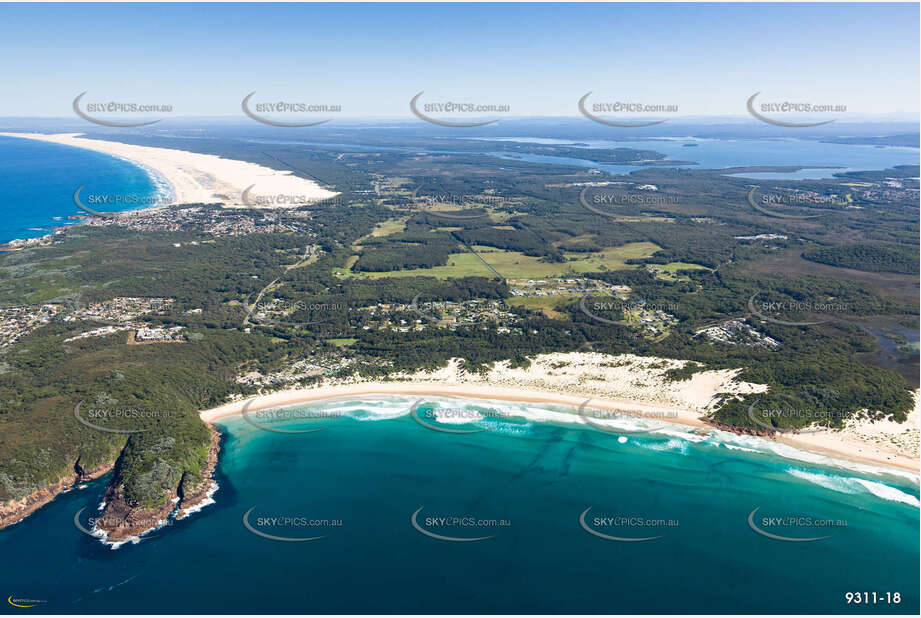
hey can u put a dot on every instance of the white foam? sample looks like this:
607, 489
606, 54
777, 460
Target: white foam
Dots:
889, 493
854, 485
185, 512
448, 416
673, 444
733, 447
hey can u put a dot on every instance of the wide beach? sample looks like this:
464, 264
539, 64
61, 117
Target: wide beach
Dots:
687, 404
199, 178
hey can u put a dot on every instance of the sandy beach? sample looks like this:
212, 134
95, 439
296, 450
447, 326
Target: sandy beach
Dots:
626, 383
201, 178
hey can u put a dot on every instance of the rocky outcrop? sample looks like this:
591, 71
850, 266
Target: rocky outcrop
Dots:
195, 494
13, 511
121, 521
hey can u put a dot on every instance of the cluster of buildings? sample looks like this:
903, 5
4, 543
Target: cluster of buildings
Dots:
209, 221
147, 334
554, 287
762, 237
102, 331
653, 319
738, 332
121, 309
403, 318
17, 322
888, 190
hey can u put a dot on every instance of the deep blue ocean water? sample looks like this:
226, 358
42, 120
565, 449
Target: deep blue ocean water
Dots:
39, 180
358, 481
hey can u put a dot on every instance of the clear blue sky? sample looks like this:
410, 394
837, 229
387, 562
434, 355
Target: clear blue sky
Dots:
537, 58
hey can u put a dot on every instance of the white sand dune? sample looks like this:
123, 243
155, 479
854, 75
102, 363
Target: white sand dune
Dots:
624, 383
201, 178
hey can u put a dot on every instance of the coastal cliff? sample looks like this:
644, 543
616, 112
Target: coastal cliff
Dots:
124, 517
12, 511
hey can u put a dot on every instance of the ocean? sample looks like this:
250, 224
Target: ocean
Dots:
570, 518
40, 180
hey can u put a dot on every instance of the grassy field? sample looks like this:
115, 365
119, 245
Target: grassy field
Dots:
515, 265
388, 227
342, 342
545, 304
669, 271
673, 267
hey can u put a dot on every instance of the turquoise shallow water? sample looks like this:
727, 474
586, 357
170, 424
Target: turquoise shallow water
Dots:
39, 180
358, 481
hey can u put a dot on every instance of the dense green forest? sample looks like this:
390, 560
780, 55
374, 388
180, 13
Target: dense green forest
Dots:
726, 254
872, 258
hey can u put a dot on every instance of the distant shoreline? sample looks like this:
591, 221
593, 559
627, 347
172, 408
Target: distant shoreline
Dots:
199, 178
